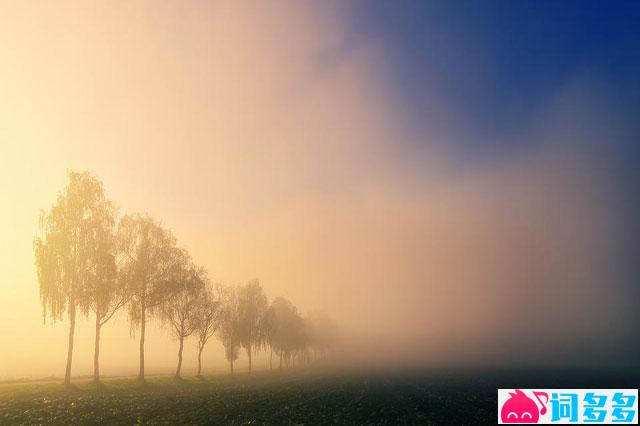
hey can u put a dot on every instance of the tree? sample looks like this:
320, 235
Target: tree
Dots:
230, 324
252, 305
106, 294
151, 258
289, 333
179, 312
297, 339
208, 318
269, 328
71, 234
322, 333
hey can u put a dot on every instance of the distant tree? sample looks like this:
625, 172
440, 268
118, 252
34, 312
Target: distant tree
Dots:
269, 327
179, 313
151, 260
322, 333
298, 340
68, 249
281, 309
289, 335
252, 305
208, 315
230, 324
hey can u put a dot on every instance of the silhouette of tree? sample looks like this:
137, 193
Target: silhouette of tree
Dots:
289, 333
298, 339
252, 305
230, 324
69, 250
208, 316
179, 312
269, 326
322, 333
150, 261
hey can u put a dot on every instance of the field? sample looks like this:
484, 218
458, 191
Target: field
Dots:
301, 396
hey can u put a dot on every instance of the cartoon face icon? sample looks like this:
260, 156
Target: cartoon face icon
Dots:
519, 408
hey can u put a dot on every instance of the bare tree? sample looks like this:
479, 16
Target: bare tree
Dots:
71, 234
151, 257
252, 305
179, 312
230, 324
208, 318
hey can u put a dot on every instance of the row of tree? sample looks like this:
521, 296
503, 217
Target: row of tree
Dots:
90, 263
248, 322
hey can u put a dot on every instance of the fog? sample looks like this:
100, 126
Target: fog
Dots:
276, 148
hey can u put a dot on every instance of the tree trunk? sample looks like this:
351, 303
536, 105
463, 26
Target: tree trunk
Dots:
200, 348
180, 357
72, 327
96, 352
270, 358
231, 362
142, 329
249, 354
280, 360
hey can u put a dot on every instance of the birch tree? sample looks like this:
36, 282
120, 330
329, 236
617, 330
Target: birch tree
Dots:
230, 325
106, 294
269, 327
208, 318
151, 257
71, 235
179, 313
252, 306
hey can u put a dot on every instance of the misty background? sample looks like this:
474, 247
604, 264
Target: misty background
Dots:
448, 183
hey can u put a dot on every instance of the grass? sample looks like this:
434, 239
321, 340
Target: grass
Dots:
300, 396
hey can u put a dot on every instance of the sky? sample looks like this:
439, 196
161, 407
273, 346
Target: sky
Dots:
452, 180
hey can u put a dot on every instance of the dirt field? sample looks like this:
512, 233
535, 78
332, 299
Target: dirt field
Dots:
289, 397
